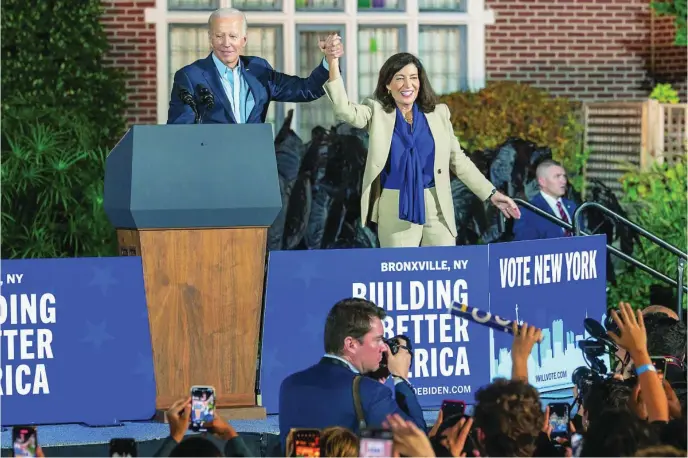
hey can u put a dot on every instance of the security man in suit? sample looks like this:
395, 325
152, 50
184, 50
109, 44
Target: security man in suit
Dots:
242, 86
322, 395
551, 177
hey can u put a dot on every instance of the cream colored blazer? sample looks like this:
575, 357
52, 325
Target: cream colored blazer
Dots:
380, 125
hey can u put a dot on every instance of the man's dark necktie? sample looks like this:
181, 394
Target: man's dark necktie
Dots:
564, 218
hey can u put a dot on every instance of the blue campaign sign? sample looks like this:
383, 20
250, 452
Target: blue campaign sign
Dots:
553, 284
415, 286
76, 345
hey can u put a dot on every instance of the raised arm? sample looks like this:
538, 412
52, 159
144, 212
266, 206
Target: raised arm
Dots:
288, 88
357, 115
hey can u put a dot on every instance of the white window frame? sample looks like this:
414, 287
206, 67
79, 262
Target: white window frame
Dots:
475, 18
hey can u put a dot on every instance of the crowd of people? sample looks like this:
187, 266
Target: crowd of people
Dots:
634, 411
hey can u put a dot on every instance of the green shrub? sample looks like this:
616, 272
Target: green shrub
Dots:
53, 51
62, 110
664, 93
678, 9
655, 200
52, 186
503, 109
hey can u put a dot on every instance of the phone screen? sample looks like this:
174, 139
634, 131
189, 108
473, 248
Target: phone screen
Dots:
451, 408
202, 407
123, 447
24, 441
660, 364
306, 442
559, 419
376, 443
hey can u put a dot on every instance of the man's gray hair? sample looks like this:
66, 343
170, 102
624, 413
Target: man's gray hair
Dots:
542, 168
228, 12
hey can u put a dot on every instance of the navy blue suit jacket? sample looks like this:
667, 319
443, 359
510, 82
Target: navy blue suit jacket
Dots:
532, 226
265, 83
322, 396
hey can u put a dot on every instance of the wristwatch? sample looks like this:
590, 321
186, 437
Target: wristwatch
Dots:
494, 191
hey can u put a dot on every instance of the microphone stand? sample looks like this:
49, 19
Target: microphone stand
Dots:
206, 99
186, 97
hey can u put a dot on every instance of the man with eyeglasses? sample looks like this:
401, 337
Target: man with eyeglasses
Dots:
323, 395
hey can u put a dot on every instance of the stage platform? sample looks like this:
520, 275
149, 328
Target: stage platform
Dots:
261, 436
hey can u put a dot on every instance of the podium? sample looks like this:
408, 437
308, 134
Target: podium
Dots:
195, 202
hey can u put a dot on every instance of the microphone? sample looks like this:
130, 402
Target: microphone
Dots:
597, 331
186, 97
207, 98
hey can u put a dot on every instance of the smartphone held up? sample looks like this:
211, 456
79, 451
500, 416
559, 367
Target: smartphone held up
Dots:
202, 407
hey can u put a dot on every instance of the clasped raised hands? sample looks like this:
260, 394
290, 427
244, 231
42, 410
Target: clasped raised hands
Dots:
332, 47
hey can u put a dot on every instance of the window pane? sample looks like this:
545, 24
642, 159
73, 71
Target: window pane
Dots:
193, 4
257, 4
440, 51
455, 5
262, 41
319, 112
375, 46
187, 44
378, 4
320, 4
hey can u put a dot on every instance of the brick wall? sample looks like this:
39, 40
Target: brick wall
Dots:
133, 50
584, 49
670, 61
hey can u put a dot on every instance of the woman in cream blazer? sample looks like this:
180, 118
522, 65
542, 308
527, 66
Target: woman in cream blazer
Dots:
412, 148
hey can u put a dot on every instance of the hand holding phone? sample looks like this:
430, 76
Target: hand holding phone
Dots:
451, 408
559, 418
24, 441
305, 442
202, 407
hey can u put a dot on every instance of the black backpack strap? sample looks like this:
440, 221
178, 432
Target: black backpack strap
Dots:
357, 402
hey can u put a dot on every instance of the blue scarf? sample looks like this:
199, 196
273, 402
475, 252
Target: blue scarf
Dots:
412, 192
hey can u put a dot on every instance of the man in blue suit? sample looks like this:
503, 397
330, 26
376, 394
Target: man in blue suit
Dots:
322, 395
551, 177
242, 86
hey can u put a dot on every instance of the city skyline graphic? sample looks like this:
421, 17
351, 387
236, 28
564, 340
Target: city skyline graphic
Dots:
552, 361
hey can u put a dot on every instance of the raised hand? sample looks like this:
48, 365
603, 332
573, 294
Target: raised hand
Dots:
633, 337
332, 47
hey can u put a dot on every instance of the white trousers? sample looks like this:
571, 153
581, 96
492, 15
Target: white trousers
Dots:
394, 232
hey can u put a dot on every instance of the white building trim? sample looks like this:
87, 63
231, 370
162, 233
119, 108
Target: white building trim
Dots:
476, 18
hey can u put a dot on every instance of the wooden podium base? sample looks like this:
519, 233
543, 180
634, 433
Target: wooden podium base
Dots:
204, 290
231, 413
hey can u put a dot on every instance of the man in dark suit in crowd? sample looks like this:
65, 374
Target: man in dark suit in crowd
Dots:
322, 395
242, 86
551, 177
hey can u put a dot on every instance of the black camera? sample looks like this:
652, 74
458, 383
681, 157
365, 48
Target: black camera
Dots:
594, 348
394, 344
